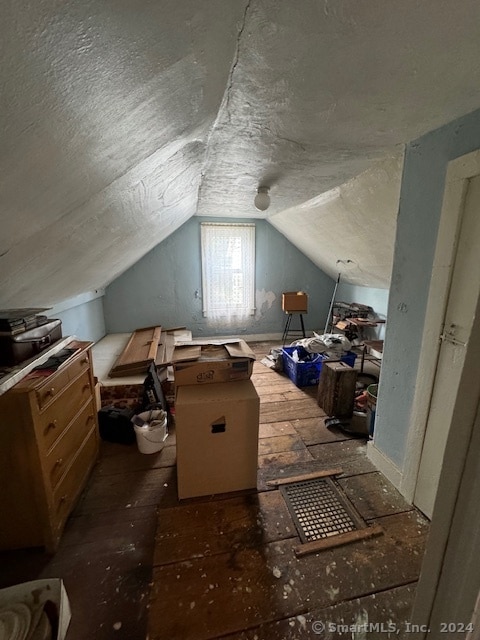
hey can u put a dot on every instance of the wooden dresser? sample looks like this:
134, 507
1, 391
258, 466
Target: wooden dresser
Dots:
48, 445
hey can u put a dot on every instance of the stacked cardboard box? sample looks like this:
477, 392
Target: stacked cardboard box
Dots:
217, 416
294, 302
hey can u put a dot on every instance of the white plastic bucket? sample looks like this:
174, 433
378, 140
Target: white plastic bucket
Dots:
152, 434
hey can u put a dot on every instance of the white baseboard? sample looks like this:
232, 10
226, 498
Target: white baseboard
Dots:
255, 337
385, 465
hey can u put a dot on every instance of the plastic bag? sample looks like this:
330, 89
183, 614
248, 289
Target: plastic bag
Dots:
332, 344
151, 420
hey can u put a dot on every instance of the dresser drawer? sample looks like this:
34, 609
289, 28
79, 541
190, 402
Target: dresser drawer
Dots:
54, 385
54, 420
65, 448
81, 363
51, 389
73, 482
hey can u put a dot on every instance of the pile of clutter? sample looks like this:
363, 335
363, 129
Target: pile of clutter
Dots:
274, 360
362, 421
332, 345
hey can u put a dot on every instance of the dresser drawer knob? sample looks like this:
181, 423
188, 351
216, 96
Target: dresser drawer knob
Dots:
50, 425
50, 392
85, 387
84, 361
58, 463
89, 418
62, 500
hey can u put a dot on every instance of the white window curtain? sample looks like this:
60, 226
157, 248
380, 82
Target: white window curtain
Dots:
228, 271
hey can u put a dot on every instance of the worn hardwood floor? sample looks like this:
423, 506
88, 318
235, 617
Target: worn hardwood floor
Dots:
136, 560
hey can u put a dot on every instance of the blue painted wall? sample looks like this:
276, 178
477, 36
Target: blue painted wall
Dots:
81, 317
421, 198
165, 286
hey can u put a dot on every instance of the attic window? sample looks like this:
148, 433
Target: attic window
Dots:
228, 269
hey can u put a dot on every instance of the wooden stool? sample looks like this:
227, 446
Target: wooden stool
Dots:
336, 389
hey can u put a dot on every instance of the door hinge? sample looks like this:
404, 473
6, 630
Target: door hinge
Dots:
449, 336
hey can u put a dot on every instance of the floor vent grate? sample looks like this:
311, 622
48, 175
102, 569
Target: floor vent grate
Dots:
319, 509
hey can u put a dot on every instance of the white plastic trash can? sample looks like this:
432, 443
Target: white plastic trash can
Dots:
150, 430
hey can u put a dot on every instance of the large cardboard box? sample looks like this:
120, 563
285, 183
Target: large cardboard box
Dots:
211, 362
295, 302
217, 438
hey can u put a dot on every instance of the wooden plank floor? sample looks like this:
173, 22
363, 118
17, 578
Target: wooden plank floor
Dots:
134, 558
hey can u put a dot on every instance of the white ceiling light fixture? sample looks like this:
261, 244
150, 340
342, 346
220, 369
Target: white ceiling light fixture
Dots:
262, 199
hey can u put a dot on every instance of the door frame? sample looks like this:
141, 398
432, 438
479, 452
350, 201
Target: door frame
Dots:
452, 505
459, 172
449, 581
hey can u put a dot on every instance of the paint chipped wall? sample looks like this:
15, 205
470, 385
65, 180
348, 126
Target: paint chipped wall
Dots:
165, 286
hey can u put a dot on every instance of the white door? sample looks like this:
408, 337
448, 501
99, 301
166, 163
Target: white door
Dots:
461, 304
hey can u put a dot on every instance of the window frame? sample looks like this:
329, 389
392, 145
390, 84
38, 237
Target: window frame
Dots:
247, 259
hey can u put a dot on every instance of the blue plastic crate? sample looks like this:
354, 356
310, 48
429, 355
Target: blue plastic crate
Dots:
307, 373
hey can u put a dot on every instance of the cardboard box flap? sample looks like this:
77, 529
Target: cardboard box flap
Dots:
185, 352
240, 349
168, 339
212, 350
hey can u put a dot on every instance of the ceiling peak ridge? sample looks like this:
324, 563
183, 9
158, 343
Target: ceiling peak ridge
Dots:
225, 102
236, 58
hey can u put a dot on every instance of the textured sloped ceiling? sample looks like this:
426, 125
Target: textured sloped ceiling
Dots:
354, 224
121, 119
106, 109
